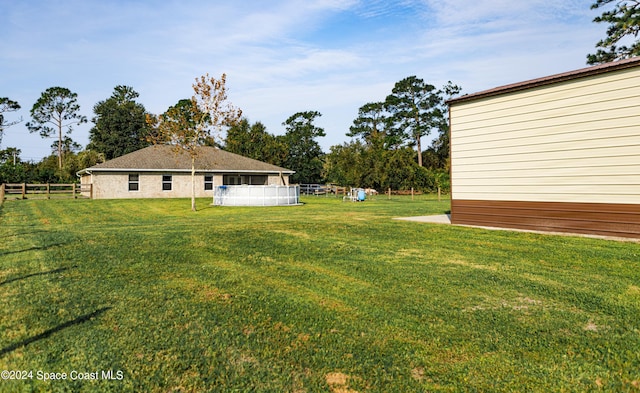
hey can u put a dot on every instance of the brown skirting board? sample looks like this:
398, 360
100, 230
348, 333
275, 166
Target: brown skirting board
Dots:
605, 219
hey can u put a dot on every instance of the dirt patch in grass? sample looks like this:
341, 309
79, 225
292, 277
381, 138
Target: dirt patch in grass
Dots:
202, 291
299, 234
521, 303
332, 273
339, 383
410, 252
591, 327
633, 290
417, 373
5, 273
472, 265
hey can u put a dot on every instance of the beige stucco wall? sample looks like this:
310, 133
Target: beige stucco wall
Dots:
110, 185
277, 180
575, 141
116, 185
85, 179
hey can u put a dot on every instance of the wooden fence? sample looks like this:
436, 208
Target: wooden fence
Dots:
327, 189
322, 189
48, 191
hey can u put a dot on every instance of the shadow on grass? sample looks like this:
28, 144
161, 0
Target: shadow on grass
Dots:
54, 271
47, 333
28, 233
208, 206
32, 249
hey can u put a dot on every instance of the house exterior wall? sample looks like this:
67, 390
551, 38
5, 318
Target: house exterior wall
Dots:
278, 180
107, 185
114, 185
561, 157
85, 179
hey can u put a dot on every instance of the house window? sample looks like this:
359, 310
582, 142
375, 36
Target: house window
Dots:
208, 182
231, 180
253, 180
258, 180
134, 182
166, 182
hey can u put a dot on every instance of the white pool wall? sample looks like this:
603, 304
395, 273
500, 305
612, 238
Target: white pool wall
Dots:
256, 195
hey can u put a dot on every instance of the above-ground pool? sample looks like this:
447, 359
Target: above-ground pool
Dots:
256, 195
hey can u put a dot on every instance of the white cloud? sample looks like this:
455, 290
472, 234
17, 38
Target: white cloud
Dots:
508, 12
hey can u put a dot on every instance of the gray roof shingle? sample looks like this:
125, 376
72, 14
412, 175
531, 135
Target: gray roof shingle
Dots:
165, 158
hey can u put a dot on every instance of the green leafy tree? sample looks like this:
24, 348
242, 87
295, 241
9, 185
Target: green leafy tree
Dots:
344, 164
437, 155
56, 109
381, 155
10, 173
399, 169
68, 145
624, 24
359, 165
253, 141
183, 116
196, 122
88, 158
11, 154
119, 124
373, 127
11, 168
7, 105
304, 152
416, 109
77, 161
47, 171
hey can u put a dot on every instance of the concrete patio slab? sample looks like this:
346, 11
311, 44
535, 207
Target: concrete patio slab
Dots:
446, 219
438, 219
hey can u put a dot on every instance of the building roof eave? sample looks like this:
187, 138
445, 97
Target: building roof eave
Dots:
551, 79
173, 170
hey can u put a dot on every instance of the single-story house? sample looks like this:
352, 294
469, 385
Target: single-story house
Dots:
559, 153
159, 172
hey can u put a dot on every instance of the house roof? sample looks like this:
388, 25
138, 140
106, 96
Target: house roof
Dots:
165, 158
547, 80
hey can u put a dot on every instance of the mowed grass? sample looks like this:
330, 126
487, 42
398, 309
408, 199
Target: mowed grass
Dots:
330, 296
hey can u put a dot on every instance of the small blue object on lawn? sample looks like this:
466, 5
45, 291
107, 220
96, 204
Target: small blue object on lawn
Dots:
361, 195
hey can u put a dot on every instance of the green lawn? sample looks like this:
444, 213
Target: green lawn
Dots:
330, 296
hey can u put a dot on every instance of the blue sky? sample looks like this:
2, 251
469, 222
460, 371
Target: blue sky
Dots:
280, 56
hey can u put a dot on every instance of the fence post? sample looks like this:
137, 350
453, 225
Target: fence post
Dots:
389, 192
24, 190
48, 191
91, 190
411, 193
1, 193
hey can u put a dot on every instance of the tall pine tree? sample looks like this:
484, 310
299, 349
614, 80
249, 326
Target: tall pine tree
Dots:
624, 25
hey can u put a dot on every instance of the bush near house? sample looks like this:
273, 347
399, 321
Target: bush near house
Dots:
330, 296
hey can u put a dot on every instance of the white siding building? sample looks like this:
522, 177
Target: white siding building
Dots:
560, 153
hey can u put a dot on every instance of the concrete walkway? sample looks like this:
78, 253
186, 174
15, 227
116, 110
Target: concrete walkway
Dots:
439, 219
446, 219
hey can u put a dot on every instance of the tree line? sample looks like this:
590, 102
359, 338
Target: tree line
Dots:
382, 152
